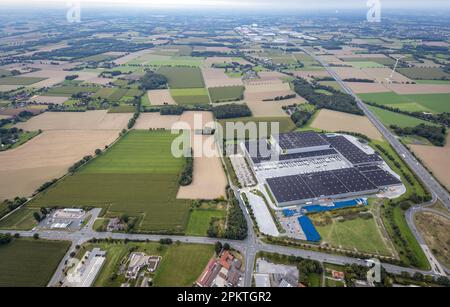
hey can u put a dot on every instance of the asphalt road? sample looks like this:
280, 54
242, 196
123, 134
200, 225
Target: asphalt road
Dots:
252, 245
429, 181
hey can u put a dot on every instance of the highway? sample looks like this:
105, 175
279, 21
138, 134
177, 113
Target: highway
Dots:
429, 181
436, 190
252, 244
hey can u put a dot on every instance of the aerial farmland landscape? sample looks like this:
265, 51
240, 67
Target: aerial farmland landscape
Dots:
224, 144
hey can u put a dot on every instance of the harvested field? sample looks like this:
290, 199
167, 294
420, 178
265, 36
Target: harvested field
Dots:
132, 56
197, 120
337, 121
365, 87
49, 99
90, 120
435, 231
7, 88
261, 108
45, 157
309, 75
435, 158
209, 181
351, 72
216, 77
284, 122
148, 121
48, 77
160, 97
381, 74
263, 87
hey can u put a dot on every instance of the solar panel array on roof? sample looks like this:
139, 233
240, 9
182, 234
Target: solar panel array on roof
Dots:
329, 184
354, 180
381, 178
351, 152
324, 184
289, 188
294, 140
301, 155
258, 148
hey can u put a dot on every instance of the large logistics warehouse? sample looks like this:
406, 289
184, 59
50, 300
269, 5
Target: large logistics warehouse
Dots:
305, 167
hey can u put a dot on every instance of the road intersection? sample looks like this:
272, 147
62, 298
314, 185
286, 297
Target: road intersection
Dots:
253, 244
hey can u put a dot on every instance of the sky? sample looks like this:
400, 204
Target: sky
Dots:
247, 4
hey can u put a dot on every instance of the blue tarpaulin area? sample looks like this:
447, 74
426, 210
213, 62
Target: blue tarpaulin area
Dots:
308, 228
289, 212
336, 205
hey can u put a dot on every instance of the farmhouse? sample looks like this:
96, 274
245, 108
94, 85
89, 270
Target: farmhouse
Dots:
224, 271
305, 167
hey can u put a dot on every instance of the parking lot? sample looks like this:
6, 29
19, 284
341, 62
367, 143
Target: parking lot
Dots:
63, 219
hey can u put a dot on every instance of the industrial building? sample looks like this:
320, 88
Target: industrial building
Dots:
300, 168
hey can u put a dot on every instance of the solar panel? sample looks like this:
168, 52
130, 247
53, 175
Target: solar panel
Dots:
295, 140
324, 184
289, 188
381, 178
351, 152
353, 180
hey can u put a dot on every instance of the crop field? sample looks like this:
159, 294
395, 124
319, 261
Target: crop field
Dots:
366, 64
20, 80
180, 266
386, 61
334, 121
141, 164
176, 61
190, 96
424, 73
21, 219
435, 103
285, 124
183, 77
392, 118
70, 90
19, 268
226, 93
